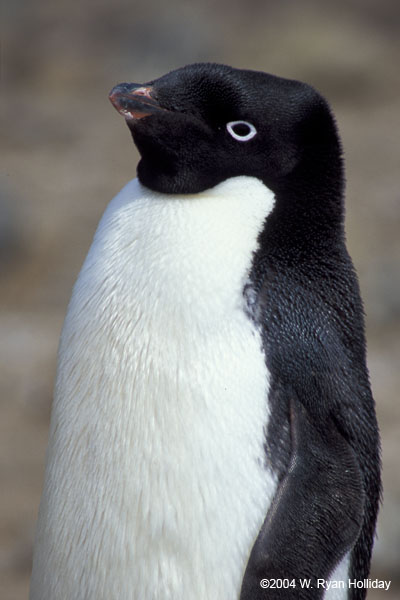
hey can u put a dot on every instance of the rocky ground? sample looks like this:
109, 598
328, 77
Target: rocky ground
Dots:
67, 152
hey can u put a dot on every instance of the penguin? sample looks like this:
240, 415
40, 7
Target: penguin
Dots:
213, 432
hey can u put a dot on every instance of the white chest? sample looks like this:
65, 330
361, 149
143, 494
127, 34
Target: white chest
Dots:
156, 484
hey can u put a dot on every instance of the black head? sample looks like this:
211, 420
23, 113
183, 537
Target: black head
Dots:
203, 123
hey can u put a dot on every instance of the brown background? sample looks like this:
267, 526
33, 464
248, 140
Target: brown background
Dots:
67, 152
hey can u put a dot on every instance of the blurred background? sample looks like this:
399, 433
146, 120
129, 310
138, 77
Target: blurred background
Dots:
67, 153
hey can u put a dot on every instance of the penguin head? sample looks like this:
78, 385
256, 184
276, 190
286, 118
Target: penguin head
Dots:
204, 123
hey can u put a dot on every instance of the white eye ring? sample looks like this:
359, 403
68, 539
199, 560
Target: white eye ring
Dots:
241, 138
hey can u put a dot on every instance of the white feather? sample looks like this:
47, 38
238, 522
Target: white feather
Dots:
156, 484
337, 584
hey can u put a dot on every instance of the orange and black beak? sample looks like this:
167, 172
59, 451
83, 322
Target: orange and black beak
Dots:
134, 100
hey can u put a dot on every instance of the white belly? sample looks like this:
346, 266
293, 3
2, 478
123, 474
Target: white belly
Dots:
156, 483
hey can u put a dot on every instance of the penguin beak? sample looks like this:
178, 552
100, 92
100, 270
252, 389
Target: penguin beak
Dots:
134, 101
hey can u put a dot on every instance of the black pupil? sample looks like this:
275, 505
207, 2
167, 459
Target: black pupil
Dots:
241, 129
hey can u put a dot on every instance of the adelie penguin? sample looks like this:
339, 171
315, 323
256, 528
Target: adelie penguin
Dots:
213, 424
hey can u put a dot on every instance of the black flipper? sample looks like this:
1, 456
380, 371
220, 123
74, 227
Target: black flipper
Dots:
316, 514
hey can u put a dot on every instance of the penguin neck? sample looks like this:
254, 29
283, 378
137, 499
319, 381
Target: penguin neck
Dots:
308, 218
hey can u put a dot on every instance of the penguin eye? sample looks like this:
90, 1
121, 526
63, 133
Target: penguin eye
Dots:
242, 131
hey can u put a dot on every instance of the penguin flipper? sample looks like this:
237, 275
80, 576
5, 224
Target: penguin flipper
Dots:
315, 516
